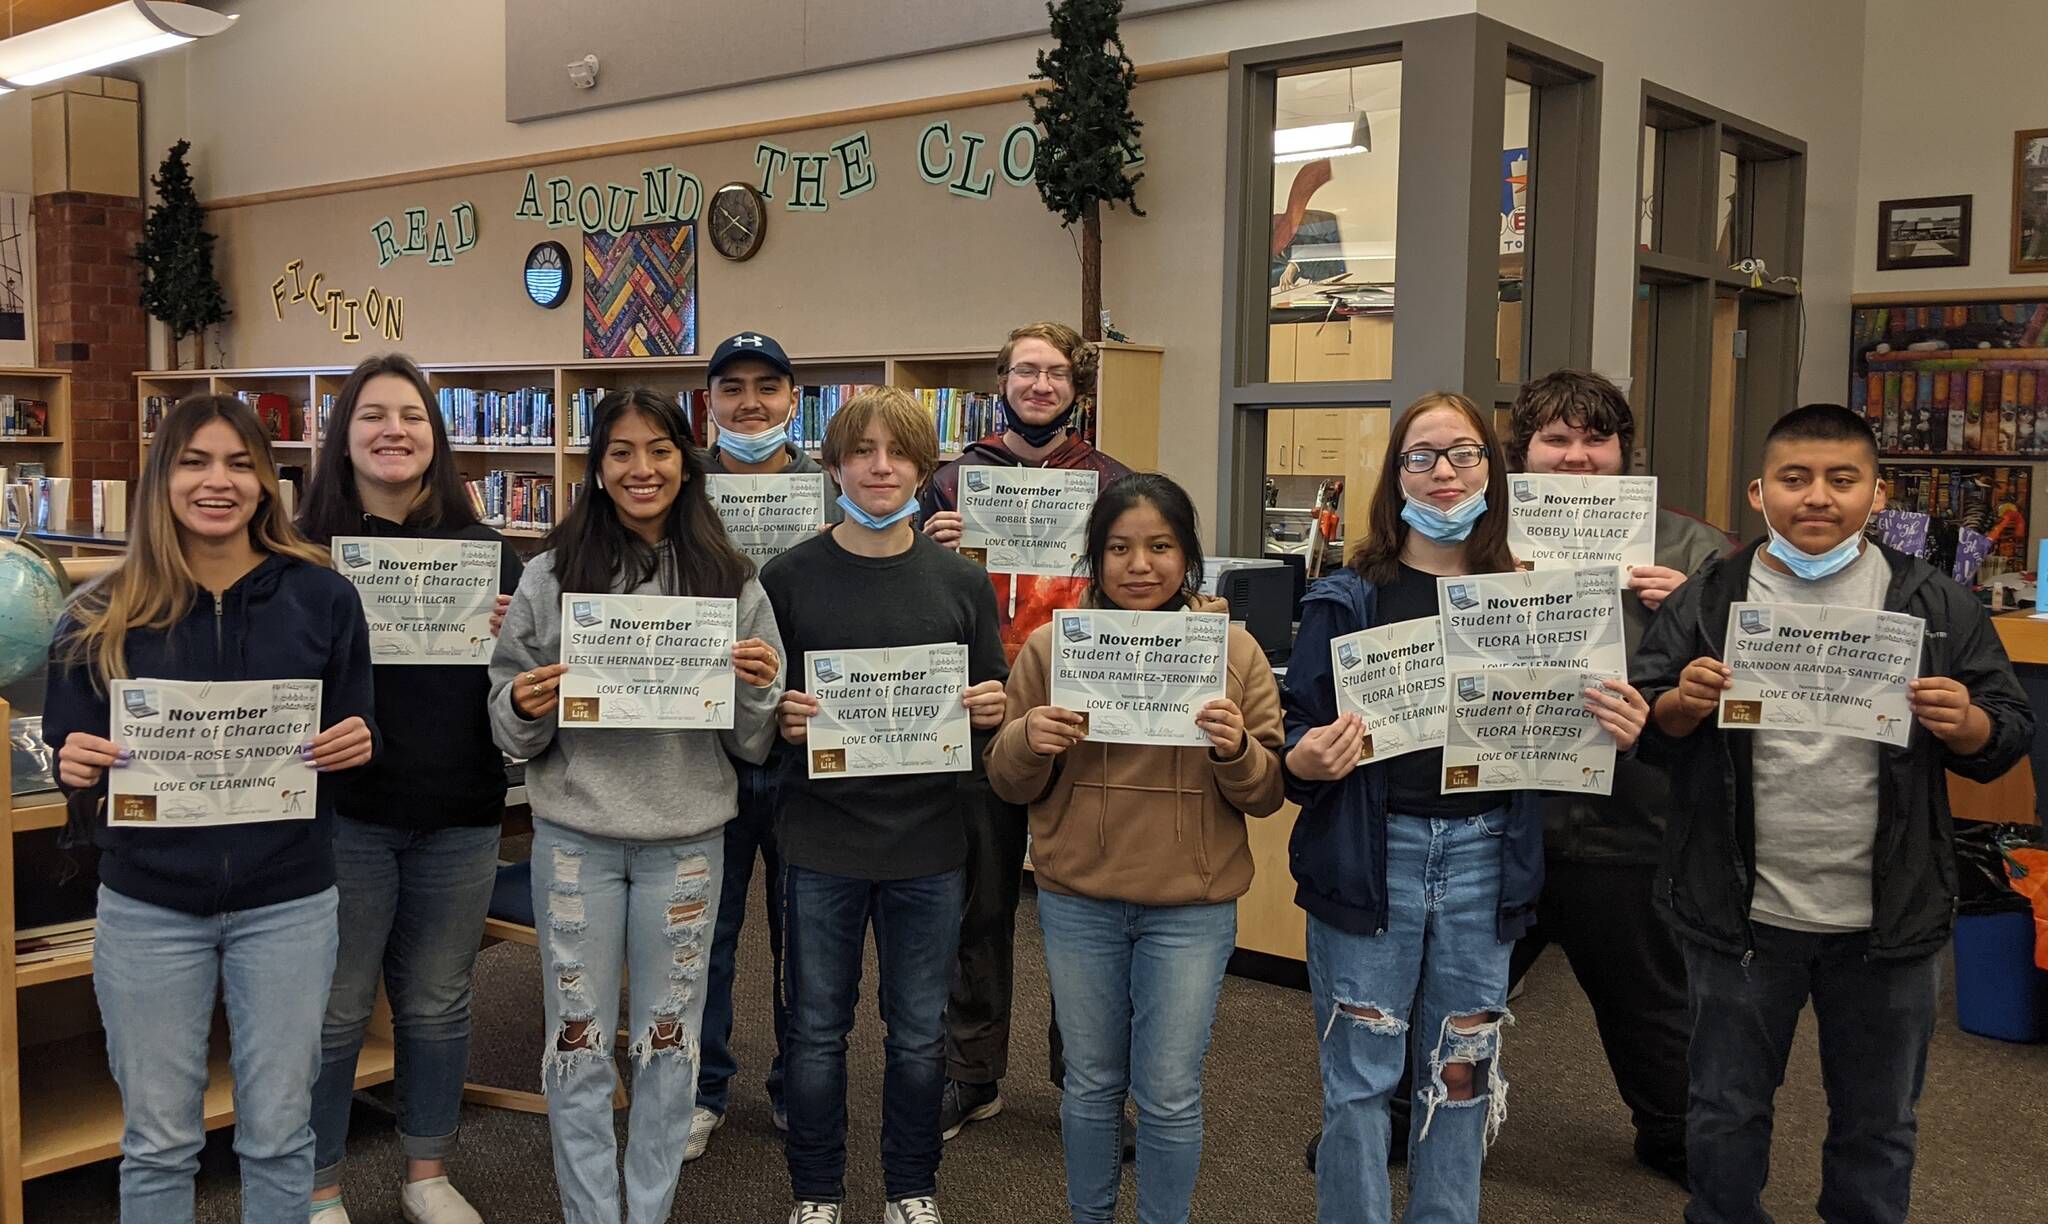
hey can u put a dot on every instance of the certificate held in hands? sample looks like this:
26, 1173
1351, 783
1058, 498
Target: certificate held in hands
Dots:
1569, 522
1825, 670
212, 752
766, 516
426, 601
1393, 678
1520, 728
652, 662
1026, 520
1138, 677
893, 711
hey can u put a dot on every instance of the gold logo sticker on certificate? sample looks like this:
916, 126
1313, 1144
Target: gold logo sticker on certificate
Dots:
1393, 678
1545, 618
647, 661
426, 601
1519, 728
894, 711
1558, 521
1138, 677
766, 516
1824, 670
1025, 520
212, 752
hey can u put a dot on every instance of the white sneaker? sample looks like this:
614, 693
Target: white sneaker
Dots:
808, 1212
921, 1210
329, 1211
702, 1123
434, 1201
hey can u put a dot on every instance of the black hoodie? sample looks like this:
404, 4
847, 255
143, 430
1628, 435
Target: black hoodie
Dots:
284, 620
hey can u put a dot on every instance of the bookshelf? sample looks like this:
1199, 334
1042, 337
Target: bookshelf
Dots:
1124, 421
52, 446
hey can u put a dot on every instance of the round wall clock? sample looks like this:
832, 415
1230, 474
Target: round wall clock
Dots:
547, 275
738, 219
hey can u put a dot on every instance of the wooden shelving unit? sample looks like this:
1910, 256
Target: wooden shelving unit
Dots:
52, 449
59, 1107
1126, 418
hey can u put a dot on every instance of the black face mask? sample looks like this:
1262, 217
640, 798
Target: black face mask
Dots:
1036, 435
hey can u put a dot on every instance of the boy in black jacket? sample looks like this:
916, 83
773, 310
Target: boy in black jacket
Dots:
1810, 865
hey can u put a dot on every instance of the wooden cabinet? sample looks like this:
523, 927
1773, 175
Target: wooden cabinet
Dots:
1280, 442
1268, 920
1333, 350
1322, 439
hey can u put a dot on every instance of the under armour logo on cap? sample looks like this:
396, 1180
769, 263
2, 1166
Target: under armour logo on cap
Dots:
749, 341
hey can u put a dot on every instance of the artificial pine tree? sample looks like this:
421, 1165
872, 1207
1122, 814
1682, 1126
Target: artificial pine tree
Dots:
1091, 136
176, 254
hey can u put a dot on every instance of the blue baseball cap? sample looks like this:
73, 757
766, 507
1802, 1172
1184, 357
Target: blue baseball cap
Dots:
749, 344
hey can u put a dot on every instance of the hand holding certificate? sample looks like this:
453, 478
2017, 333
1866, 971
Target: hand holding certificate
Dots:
1393, 678
875, 712
426, 601
1025, 520
1572, 522
1139, 677
647, 661
766, 516
204, 753
1826, 670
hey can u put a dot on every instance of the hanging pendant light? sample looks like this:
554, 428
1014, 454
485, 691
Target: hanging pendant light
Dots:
1340, 138
105, 36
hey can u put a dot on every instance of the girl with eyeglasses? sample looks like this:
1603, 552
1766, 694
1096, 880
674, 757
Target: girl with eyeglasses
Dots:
1414, 897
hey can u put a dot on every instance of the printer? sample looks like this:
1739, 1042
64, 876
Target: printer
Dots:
1263, 594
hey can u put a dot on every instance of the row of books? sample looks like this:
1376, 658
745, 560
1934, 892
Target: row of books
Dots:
2021, 323
57, 941
696, 406
522, 500
1994, 500
521, 417
22, 417
1978, 407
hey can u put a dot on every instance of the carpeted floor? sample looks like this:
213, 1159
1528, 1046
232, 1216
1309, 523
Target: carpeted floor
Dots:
1564, 1155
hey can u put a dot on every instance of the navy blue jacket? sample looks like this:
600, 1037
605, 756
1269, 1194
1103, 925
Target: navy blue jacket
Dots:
285, 620
1338, 853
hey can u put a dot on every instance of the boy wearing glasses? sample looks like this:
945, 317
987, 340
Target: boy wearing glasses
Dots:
1044, 367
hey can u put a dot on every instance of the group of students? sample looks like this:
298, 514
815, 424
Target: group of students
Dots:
1778, 881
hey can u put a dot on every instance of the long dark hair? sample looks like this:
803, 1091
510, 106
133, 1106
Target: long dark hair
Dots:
334, 507
1163, 495
594, 549
1378, 556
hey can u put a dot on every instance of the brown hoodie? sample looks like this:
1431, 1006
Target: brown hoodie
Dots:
1147, 824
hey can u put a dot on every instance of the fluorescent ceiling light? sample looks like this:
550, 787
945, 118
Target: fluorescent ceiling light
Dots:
1317, 140
107, 36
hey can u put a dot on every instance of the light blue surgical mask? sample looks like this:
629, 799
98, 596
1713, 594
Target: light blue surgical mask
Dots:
1444, 526
877, 522
753, 447
1814, 566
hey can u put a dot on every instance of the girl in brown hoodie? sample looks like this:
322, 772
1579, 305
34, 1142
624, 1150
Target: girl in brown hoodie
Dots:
1140, 856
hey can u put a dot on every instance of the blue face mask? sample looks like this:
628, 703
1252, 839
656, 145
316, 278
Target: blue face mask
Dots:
1814, 566
874, 522
754, 447
1444, 526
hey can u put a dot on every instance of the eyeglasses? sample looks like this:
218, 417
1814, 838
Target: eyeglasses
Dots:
1423, 458
1058, 376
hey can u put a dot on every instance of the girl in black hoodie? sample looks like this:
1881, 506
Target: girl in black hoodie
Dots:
416, 839
216, 585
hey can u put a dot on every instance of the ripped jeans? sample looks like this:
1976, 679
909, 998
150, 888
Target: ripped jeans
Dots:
647, 908
1439, 946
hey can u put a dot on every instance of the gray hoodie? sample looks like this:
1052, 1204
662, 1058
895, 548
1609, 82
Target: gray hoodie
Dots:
628, 785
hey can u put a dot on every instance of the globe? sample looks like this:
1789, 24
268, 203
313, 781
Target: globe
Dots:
31, 599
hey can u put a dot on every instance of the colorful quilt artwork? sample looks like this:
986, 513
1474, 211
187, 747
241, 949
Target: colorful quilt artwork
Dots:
640, 292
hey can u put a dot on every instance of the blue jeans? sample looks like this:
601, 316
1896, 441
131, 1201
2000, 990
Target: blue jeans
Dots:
1440, 948
751, 832
646, 908
156, 973
917, 932
1876, 1018
412, 913
1134, 990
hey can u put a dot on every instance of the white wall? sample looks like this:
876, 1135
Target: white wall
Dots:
1939, 113
1793, 67
14, 142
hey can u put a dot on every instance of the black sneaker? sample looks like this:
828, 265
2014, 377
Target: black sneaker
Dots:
964, 1103
1130, 1139
1664, 1158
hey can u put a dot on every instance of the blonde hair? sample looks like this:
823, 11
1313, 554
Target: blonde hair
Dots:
902, 417
1083, 356
153, 587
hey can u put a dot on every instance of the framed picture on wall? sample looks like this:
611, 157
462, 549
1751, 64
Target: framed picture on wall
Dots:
17, 283
1925, 232
2030, 200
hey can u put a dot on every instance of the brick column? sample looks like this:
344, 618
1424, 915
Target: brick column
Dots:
90, 322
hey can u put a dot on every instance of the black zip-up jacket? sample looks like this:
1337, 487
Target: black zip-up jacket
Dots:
1709, 872
440, 768
285, 620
